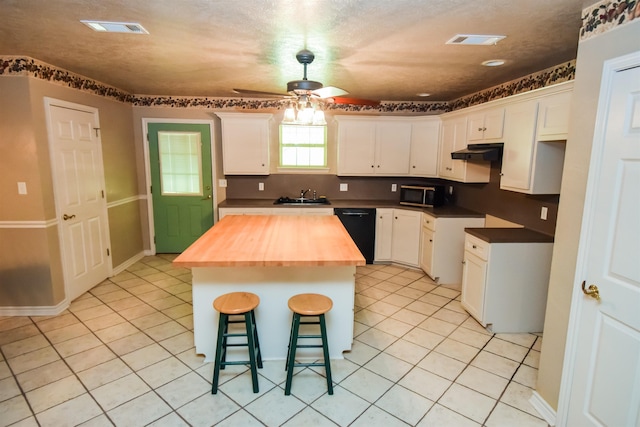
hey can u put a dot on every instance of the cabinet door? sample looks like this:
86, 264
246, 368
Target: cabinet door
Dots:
553, 117
474, 281
393, 146
486, 125
475, 131
405, 242
454, 138
426, 251
356, 147
425, 139
245, 145
517, 157
384, 230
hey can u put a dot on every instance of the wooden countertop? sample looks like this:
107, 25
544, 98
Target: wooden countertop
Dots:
273, 241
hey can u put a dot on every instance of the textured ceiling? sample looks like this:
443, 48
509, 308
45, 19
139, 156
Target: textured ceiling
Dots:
375, 49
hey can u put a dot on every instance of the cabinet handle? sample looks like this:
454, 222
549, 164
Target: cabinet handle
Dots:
480, 129
464, 262
431, 240
474, 246
372, 166
378, 165
414, 166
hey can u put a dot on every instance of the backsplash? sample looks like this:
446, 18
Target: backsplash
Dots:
484, 198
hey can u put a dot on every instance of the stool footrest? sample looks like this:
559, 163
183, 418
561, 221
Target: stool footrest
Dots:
299, 365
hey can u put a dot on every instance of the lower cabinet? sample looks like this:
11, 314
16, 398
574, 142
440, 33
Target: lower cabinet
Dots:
442, 246
504, 285
398, 236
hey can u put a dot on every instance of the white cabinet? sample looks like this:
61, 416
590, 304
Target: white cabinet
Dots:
222, 212
245, 143
486, 126
425, 140
553, 117
384, 232
504, 285
454, 138
373, 146
405, 241
442, 247
398, 236
534, 146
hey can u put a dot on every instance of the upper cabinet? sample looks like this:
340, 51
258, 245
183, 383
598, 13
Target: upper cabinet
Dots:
534, 144
454, 138
245, 143
486, 126
425, 141
373, 146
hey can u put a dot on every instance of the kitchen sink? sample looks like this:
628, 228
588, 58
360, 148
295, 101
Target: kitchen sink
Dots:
301, 201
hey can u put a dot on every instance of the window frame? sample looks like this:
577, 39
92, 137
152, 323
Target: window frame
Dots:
281, 146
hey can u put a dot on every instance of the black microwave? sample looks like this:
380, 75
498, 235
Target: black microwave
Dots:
413, 195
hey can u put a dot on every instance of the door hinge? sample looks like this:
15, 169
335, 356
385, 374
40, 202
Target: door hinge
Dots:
102, 192
154, 240
147, 137
108, 252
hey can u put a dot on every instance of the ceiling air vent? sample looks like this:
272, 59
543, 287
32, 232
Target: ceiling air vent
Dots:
475, 39
115, 27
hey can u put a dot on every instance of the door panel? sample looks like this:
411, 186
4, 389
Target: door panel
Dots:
605, 381
182, 187
76, 155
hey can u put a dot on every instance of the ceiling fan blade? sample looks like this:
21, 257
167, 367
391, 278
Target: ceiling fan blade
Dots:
260, 93
355, 101
329, 91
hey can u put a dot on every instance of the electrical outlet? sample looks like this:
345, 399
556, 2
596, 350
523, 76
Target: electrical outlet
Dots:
543, 213
394, 187
22, 188
450, 189
261, 186
222, 183
344, 187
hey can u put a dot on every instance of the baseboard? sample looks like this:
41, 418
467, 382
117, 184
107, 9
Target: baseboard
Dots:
546, 412
46, 310
128, 263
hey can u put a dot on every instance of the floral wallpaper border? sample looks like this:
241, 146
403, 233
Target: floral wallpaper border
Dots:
607, 15
596, 19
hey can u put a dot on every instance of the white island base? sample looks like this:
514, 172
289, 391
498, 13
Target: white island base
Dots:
274, 286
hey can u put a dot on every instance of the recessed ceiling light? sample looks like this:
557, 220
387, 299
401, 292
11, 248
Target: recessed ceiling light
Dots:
493, 63
115, 27
475, 39
423, 94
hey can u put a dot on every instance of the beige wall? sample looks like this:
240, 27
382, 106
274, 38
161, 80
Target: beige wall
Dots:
564, 281
30, 259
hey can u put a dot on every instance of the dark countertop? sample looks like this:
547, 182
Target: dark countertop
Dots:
439, 212
509, 235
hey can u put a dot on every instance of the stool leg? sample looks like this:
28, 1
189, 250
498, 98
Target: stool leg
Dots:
255, 337
286, 364
292, 352
222, 326
325, 350
252, 351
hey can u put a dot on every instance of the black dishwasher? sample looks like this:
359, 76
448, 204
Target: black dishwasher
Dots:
361, 226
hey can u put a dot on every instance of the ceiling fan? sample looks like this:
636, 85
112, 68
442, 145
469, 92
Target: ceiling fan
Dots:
305, 90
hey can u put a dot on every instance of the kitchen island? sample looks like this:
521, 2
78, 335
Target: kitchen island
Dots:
275, 257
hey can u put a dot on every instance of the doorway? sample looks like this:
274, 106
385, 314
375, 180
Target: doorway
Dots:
78, 183
181, 179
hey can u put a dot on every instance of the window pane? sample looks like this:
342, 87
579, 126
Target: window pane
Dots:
302, 146
180, 161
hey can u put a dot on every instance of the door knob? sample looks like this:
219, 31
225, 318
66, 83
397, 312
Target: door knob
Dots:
592, 290
66, 217
207, 198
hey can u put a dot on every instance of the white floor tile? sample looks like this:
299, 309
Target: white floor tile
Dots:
439, 416
119, 391
342, 407
72, 412
467, 402
366, 384
505, 415
273, 408
425, 383
404, 404
140, 411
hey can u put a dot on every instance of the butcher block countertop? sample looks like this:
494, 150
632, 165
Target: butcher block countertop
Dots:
273, 241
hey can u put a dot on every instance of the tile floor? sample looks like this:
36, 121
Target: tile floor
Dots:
123, 354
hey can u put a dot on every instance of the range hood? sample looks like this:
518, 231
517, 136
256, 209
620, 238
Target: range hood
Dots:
487, 152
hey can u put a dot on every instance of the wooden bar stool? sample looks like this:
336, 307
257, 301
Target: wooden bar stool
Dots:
237, 304
303, 306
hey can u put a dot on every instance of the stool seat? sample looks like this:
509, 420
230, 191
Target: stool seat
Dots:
310, 304
236, 302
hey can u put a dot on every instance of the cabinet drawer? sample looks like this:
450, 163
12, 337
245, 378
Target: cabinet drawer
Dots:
478, 247
428, 221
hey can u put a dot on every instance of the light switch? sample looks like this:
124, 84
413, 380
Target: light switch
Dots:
394, 187
543, 213
344, 187
22, 188
222, 183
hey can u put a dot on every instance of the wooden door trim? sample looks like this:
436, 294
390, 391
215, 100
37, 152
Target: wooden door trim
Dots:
147, 169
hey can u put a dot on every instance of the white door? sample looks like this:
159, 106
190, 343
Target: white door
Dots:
78, 180
604, 385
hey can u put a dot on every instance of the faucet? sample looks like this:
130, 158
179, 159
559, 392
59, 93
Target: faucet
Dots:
303, 192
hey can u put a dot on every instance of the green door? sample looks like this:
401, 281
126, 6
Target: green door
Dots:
181, 187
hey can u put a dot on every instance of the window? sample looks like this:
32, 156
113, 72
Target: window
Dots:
180, 160
303, 146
